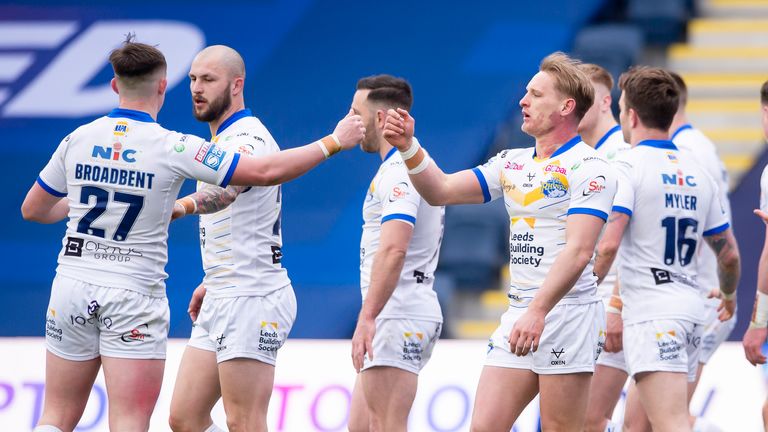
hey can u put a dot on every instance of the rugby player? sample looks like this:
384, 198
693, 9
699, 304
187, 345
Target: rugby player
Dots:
690, 139
249, 305
117, 179
663, 194
558, 195
755, 336
400, 319
600, 130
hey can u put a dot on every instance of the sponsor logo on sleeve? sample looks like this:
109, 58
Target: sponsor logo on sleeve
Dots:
399, 191
595, 186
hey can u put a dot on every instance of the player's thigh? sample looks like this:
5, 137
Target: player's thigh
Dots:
133, 386
664, 396
635, 419
502, 394
68, 384
359, 417
605, 392
389, 391
563, 400
196, 390
246, 386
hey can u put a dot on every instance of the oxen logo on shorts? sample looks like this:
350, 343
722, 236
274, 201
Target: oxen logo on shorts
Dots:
93, 307
556, 361
136, 335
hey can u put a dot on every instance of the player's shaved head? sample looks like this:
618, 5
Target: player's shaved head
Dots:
225, 57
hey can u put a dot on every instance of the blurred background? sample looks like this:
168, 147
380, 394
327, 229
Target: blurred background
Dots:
468, 66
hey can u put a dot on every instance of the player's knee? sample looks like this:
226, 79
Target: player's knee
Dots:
242, 423
185, 422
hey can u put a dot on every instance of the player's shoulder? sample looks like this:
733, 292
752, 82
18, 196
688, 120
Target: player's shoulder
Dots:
247, 132
583, 155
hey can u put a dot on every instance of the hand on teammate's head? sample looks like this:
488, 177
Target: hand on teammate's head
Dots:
350, 130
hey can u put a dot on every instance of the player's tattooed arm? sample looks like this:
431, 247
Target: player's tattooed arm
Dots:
209, 199
728, 260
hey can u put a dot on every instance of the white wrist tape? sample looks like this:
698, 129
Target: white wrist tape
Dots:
422, 166
726, 296
325, 150
613, 310
760, 312
411, 152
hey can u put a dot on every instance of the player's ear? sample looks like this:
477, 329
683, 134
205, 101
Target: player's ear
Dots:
568, 107
381, 118
634, 119
162, 86
607, 100
113, 84
237, 86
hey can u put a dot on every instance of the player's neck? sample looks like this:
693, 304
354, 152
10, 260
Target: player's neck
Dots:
553, 140
680, 119
233, 108
604, 124
643, 134
140, 105
384, 149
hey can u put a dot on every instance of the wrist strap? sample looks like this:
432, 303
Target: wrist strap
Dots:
190, 205
760, 311
411, 152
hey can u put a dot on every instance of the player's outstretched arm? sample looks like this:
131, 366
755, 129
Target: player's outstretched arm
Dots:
728, 269
756, 335
208, 199
286, 165
385, 273
40, 206
582, 231
435, 186
609, 243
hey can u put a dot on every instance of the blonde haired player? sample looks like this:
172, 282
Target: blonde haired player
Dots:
558, 195
600, 130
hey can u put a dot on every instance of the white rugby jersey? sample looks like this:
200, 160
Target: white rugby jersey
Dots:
672, 203
241, 244
539, 195
610, 146
704, 152
391, 196
121, 175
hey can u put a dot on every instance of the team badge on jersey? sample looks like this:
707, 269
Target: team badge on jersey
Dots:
210, 155
553, 188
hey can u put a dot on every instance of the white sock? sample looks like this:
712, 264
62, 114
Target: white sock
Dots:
703, 425
211, 428
46, 428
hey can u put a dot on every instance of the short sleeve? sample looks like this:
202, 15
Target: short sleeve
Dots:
593, 187
489, 177
624, 201
193, 157
399, 198
717, 216
53, 178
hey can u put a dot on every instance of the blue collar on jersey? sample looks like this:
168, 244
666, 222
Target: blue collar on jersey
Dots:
680, 129
607, 134
390, 153
233, 118
131, 114
661, 144
564, 148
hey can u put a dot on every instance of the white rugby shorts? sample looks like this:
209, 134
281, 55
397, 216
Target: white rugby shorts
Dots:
85, 321
572, 340
403, 343
663, 345
253, 327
